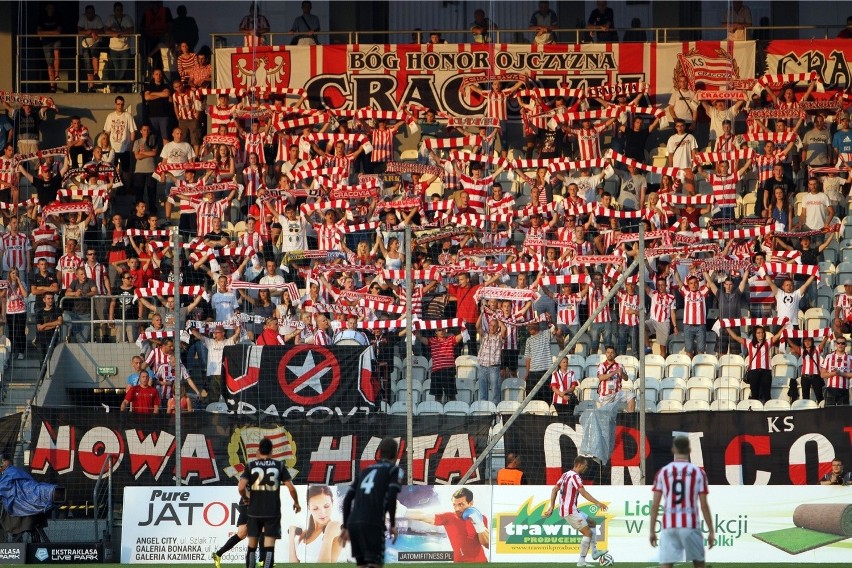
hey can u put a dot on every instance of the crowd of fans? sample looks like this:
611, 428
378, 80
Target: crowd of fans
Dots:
293, 221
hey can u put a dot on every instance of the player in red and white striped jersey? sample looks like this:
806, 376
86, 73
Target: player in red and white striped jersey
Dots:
662, 318
694, 313
759, 374
495, 107
836, 369
594, 295
628, 319
68, 264
564, 384
16, 249
588, 138
681, 487
724, 187
610, 376
569, 488
761, 298
810, 356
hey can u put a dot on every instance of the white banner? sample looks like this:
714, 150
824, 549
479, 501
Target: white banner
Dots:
186, 524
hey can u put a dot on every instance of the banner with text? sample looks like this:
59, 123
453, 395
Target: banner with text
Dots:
282, 379
389, 77
744, 448
828, 58
70, 447
481, 524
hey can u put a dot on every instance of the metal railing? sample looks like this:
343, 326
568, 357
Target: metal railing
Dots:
524, 35
98, 497
92, 321
32, 65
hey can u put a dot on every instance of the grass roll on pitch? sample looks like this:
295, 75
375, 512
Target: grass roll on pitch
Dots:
816, 526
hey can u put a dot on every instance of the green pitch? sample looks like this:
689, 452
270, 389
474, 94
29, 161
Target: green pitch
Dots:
569, 562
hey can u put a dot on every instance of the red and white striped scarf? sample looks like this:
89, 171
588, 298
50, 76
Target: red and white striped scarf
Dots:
584, 260
557, 166
774, 137
800, 234
337, 309
776, 268
412, 168
296, 123
417, 324
662, 170
160, 288
289, 287
431, 274
202, 189
777, 81
568, 117
612, 91
350, 139
713, 157
456, 142
21, 99
543, 93
749, 233
722, 264
663, 234
559, 279
15, 206
501, 293
222, 139
752, 322
63, 208
233, 93
159, 233
684, 200
58, 151
465, 156
807, 333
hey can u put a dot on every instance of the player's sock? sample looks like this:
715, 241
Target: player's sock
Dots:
251, 553
229, 544
594, 542
584, 547
270, 558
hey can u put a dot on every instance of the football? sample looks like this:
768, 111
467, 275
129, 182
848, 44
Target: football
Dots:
606, 560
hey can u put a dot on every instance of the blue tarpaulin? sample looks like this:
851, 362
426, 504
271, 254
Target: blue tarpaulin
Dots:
22, 495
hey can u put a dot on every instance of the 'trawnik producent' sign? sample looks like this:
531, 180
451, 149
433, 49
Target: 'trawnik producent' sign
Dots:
734, 448
184, 525
388, 77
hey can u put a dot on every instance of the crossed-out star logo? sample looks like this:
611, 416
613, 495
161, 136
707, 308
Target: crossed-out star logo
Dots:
308, 374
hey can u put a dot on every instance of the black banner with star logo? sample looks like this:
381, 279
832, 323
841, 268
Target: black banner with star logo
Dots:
277, 380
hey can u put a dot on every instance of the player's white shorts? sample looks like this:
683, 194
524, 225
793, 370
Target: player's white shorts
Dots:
678, 545
577, 521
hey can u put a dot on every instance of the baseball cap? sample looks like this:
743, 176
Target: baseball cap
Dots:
848, 282
219, 328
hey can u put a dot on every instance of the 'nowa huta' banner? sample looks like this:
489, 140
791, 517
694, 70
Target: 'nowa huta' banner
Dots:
388, 77
70, 447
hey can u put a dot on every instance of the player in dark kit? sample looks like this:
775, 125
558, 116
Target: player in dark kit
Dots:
260, 486
372, 495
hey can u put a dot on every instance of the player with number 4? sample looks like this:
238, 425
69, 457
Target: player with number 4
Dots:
682, 488
370, 499
569, 488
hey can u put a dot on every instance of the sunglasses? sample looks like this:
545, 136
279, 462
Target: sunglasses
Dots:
841, 344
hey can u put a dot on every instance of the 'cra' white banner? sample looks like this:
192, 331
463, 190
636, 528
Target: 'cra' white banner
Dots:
186, 524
